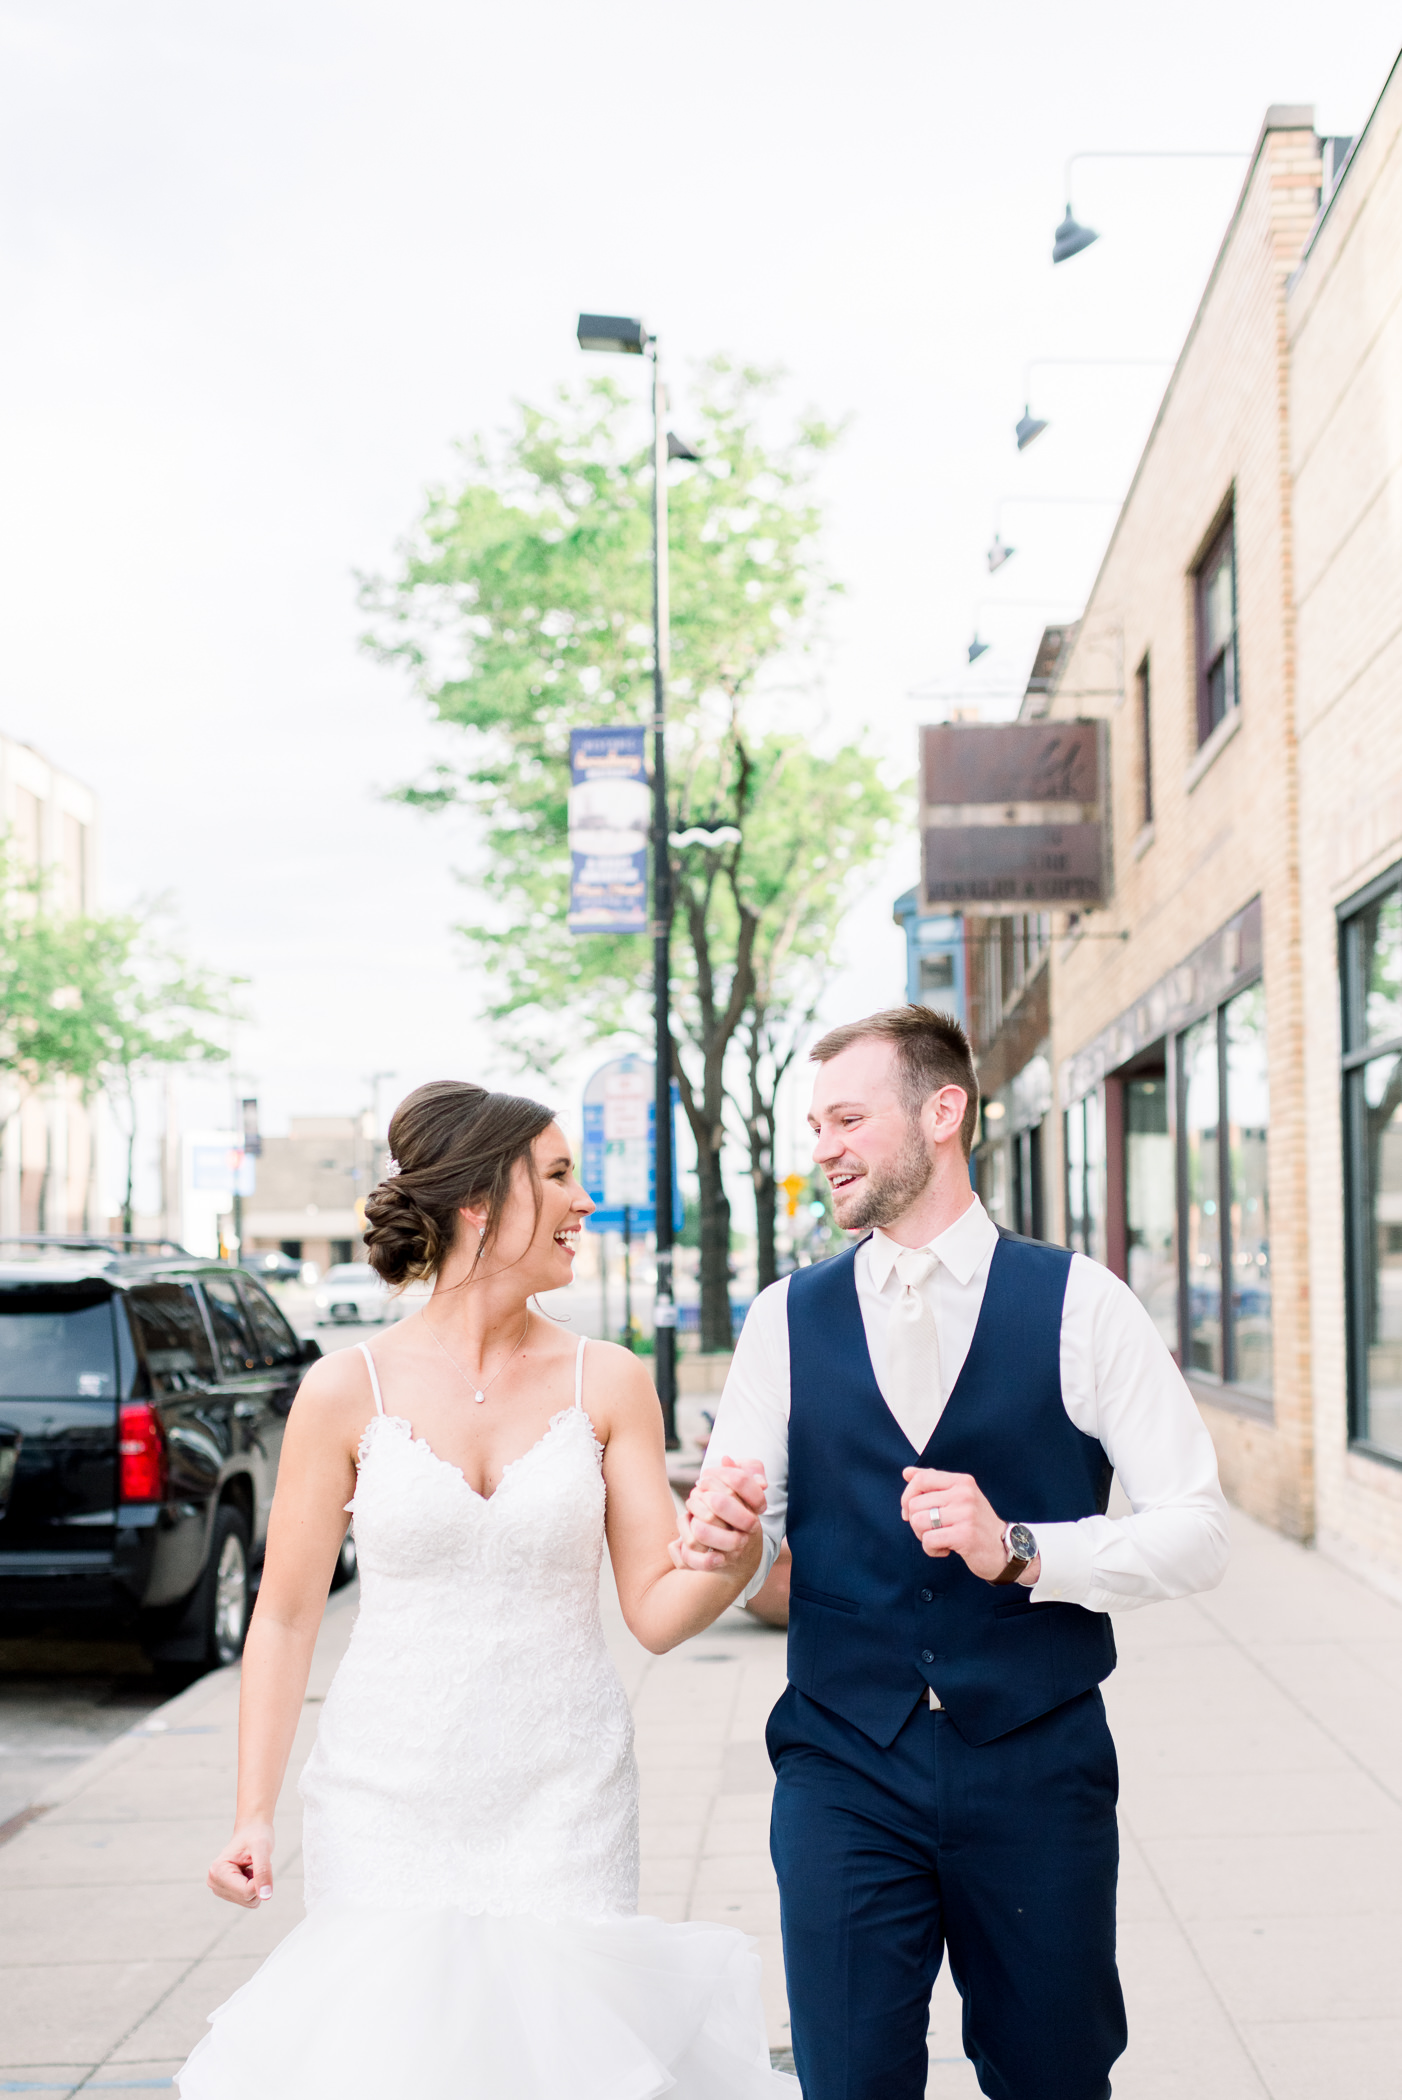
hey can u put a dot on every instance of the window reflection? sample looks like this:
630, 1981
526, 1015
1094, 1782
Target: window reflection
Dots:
1382, 1279
1199, 1050
1248, 1129
1380, 942
1150, 1212
1085, 1175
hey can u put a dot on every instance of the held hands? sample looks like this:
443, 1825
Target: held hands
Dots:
722, 1515
243, 1872
966, 1524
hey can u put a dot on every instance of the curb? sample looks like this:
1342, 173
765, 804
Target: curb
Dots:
174, 1717
161, 1720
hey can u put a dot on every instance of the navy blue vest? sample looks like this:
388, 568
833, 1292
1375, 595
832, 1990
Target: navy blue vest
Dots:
871, 1617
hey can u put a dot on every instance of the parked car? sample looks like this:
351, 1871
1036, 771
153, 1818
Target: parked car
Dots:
272, 1266
351, 1291
142, 1405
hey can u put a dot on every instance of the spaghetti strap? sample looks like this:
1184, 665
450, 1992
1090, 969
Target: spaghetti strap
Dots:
364, 1348
579, 1373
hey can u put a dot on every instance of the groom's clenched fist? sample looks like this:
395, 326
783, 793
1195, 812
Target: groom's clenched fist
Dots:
949, 1513
721, 1525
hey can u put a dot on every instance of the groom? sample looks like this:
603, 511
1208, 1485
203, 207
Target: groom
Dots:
936, 1413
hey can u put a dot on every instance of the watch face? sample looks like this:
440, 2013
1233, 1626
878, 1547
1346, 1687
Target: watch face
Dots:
1021, 1542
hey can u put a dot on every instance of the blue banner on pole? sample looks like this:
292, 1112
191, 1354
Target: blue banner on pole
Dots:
619, 1162
610, 815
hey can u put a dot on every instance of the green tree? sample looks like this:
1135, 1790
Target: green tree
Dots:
522, 609
816, 833
99, 1000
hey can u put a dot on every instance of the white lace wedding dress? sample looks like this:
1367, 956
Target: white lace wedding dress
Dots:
471, 1828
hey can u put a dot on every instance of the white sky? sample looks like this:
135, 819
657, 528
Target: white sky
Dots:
262, 264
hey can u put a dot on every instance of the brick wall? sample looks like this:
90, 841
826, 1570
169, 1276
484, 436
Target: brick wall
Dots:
1224, 827
1344, 318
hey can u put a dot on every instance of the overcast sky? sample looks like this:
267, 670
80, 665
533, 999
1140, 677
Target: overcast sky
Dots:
263, 264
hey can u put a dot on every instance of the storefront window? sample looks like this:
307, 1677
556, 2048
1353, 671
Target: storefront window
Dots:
1085, 1176
1203, 1192
1150, 1211
1372, 982
1248, 1127
1226, 1192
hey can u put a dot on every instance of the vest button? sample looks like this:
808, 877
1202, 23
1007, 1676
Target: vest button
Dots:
927, 1655
927, 1596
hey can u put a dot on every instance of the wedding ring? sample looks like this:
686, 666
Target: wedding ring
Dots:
935, 1520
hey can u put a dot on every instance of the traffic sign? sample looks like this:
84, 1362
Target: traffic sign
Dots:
619, 1167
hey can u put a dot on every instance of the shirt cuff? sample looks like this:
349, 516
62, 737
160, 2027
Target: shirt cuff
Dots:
769, 1553
1067, 1552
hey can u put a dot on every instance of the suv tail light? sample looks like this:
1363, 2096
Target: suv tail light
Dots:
141, 1454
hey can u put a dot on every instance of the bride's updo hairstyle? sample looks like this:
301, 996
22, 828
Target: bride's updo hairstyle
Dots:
452, 1144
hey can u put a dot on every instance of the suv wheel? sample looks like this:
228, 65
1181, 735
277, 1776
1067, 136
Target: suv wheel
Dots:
344, 1570
229, 1602
208, 1629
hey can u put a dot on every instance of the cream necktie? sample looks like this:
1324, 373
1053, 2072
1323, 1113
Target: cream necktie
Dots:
913, 1391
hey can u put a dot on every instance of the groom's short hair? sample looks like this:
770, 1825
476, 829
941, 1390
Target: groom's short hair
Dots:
931, 1049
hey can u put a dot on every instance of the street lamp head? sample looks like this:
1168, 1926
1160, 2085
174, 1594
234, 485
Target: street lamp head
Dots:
978, 649
678, 448
1071, 238
998, 554
612, 332
1028, 427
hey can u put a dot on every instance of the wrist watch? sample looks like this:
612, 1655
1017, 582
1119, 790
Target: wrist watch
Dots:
1020, 1545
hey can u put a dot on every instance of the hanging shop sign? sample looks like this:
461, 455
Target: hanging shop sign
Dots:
1011, 815
610, 811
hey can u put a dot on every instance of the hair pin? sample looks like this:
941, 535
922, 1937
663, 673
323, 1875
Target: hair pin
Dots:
391, 1169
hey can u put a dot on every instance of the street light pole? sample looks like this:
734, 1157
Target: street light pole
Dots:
610, 332
664, 1316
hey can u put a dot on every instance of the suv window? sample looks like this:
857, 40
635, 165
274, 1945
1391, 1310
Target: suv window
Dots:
231, 1335
56, 1342
275, 1339
170, 1334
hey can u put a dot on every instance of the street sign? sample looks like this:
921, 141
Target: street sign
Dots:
1010, 814
619, 1164
610, 812
252, 1142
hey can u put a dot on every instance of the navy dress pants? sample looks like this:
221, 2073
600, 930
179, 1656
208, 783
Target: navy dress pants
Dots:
1005, 1854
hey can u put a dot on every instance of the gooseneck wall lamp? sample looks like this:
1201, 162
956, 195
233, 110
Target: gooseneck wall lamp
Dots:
621, 335
1000, 552
1030, 426
1071, 237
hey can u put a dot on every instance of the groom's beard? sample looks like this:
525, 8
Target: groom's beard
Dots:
888, 1191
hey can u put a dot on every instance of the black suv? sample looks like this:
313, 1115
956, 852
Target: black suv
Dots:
142, 1404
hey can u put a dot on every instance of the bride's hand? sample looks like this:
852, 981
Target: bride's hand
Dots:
243, 1871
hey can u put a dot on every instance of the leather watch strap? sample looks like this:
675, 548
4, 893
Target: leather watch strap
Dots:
1011, 1571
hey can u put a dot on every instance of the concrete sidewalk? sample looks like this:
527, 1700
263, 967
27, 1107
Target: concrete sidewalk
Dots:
1260, 1734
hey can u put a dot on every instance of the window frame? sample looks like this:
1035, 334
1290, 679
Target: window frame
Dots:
1229, 1381
1143, 687
1223, 535
1354, 1057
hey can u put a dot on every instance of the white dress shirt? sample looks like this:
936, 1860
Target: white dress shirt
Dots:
1118, 1384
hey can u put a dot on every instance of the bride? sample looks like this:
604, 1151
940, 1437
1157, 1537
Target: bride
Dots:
470, 1824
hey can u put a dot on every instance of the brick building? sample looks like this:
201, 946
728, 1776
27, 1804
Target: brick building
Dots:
1186, 989
1344, 320
309, 1186
48, 1134
1216, 1054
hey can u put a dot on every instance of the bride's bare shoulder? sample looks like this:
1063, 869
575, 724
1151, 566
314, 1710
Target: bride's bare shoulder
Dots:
618, 1387
335, 1397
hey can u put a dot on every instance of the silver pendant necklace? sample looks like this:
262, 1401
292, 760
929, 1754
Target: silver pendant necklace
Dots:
479, 1394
